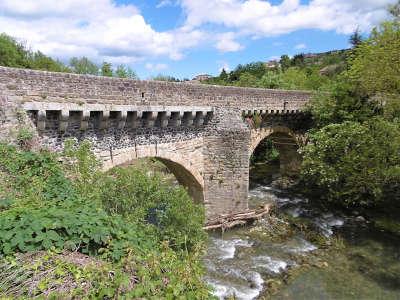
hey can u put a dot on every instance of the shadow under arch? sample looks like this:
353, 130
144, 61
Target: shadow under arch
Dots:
185, 178
285, 141
185, 174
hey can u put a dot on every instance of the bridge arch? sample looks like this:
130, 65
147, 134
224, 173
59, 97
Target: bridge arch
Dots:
285, 141
183, 159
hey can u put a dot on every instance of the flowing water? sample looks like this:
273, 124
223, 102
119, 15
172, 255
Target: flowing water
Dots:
249, 266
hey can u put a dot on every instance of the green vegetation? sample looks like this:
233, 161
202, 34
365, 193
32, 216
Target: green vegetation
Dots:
303, 71
17, 55
131, 223
353, 155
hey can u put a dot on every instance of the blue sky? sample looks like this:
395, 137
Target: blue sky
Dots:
183, 38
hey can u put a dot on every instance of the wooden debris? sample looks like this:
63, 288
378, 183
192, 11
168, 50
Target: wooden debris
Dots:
226, 221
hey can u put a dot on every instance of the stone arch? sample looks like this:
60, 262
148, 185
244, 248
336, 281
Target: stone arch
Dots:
183, 159
286, 142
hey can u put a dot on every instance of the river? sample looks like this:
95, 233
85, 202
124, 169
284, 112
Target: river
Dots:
345, 256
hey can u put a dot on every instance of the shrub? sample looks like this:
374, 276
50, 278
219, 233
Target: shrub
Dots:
34, 175
70, 224
352, 163
141, 196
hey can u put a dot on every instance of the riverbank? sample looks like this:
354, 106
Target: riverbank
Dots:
304, 251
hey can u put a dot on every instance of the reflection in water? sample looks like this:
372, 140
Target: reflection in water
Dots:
241, 265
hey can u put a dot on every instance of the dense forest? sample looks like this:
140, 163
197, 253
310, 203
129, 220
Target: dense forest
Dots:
130, 233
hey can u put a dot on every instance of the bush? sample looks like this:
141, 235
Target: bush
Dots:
74, 225
143, 197
34, 176
121, 218
353, 164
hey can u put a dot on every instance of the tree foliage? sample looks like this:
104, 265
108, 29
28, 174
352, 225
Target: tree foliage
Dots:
353, 163
353, 155
83, 66
15, 54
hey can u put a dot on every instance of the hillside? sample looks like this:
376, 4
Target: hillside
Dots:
310, 71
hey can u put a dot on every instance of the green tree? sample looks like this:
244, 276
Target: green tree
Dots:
285, 62
356, 38
375, 65
12, 53
83, 66
223, 76
294, 78
298, 60
39, 61
162, 77
131, 73
353, 163
271, 80
394, 10
106, 69
247, 80
123, 71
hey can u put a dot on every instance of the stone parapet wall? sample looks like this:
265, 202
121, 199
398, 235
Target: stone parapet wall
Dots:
29, 85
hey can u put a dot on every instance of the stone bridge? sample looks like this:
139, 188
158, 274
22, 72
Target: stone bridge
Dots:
204, 134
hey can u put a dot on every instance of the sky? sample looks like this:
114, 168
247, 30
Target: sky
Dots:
183, 38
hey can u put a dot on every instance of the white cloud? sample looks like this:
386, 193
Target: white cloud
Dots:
226, 43
261, 18
300, 46
156, 67
104, 30
223, 65
99, 29
164, 3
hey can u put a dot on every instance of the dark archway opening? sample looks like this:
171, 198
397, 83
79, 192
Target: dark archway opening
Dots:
174, 173
185, 179
274, 157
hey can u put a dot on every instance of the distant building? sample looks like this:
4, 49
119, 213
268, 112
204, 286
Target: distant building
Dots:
201, 77
272, 64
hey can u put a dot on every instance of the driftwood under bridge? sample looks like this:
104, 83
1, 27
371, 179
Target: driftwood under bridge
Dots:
231, 220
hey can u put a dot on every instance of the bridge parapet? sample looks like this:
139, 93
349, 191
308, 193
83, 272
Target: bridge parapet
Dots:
126, 116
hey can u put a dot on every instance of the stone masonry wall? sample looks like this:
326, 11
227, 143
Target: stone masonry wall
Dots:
28, 85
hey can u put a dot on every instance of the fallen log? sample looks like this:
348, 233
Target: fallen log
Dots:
226, 221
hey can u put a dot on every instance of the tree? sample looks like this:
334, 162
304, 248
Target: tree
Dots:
356, 38
131, 74
285, 62
39, 61
123, 71
106, 69
12, 53
247, 80
375, 65
161, 77
352, 163
223, 76
298, 60
394, 10
83, 66
294, 79
271, 80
